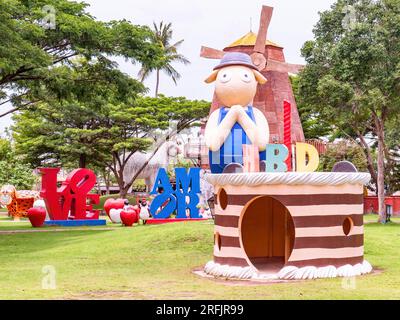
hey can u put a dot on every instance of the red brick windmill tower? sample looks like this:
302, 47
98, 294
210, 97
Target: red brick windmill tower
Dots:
270, 61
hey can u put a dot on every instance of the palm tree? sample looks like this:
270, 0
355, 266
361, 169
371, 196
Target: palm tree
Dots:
162, 35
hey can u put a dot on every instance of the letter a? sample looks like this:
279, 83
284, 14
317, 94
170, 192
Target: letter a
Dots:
162, 180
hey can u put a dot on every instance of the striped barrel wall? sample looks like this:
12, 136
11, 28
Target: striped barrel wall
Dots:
318, 213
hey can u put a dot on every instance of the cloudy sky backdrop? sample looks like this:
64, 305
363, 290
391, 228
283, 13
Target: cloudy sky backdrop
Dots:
214, 23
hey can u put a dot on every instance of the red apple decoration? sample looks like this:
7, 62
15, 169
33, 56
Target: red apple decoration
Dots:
136, 215
37, 216
113, 204
137, 211
128, 218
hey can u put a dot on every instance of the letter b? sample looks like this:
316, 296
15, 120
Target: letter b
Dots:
276, 157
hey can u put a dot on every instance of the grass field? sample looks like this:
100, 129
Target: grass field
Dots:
374, 218
156, 262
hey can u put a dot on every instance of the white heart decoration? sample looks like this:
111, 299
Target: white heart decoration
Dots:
115, 215
41, 204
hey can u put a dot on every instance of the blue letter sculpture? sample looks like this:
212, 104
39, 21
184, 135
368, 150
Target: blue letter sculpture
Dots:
187, 188
276, 157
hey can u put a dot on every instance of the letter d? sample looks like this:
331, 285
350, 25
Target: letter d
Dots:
307, 158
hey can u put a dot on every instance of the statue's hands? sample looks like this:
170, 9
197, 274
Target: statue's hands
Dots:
236, 111
237, 108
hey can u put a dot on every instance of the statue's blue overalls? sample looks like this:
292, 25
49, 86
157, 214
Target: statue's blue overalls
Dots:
232, 149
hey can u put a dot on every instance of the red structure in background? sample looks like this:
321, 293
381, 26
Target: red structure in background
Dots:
69, 200
392, 205
320, 145
287, 131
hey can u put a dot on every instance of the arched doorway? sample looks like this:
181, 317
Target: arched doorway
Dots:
267, 233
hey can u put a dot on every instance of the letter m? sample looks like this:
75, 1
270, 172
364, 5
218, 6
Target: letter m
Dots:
187, 186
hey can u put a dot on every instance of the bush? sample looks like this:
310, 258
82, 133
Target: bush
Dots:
343, 151
17, 174
139, 186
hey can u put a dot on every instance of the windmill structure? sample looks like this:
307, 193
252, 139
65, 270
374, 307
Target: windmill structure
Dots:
270, 61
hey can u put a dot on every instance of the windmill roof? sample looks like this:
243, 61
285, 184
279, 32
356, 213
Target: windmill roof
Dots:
249, 39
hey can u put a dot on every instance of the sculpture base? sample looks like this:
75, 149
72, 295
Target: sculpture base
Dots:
164, 221
287, 273
75, 223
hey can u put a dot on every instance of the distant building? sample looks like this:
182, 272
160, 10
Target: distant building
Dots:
111, 189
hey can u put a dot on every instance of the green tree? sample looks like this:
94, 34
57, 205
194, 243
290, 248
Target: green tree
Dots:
18, 174
101, 134
12, 170
162, 36
393, 156
92, 125
343, 151
5, 149
76, 121
30, 49
352, 75
314, 126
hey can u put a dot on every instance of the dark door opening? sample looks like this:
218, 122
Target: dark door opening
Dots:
267, 232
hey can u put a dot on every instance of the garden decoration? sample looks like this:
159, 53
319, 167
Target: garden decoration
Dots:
269, 59
144, 212
115, 215
113, 208
129, 207
129, 217
183, 200
37, 216
129, 214
238, 123
41, 204
275, 217
17, 202
67, 205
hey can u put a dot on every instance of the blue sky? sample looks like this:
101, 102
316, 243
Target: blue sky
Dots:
215, 23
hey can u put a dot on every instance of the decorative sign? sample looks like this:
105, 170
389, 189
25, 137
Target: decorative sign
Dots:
69, 200
277, 155
307, 158
185, 196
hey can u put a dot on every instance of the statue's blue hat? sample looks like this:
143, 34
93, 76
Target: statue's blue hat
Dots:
236, 59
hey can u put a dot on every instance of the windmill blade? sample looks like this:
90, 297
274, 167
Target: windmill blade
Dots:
265, 20
273, 65
211, 53
258, 57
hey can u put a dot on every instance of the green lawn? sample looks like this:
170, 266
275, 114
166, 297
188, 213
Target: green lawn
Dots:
374, 218
156, 262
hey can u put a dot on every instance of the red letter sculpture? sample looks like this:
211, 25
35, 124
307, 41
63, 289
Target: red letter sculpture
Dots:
69, 200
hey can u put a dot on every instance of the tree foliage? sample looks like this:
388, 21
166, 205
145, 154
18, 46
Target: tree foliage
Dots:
393, 157
12, 170
352, 77
30, 52
343, 151
162, 36
314, 125
102, 134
